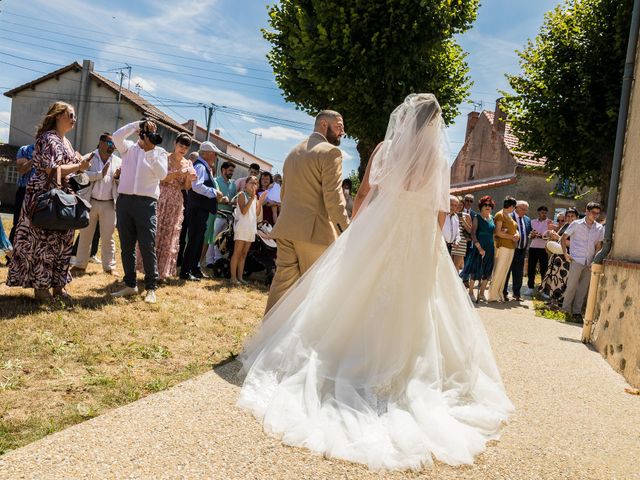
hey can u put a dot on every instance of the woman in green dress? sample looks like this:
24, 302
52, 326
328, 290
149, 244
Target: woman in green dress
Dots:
481, 263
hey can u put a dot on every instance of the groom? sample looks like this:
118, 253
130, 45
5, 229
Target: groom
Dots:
313, 206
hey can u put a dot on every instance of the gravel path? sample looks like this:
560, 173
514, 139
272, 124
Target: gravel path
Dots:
573, 420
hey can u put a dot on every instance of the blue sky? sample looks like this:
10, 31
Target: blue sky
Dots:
188, 52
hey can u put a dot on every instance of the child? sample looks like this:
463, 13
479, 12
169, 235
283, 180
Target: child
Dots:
245, 226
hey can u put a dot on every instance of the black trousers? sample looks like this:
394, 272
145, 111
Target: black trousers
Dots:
183, 229
20, 192
137, 222
536, 256
516, 271
196, 228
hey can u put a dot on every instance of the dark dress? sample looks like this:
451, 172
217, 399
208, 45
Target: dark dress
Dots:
480, 267
41, 257
554, 282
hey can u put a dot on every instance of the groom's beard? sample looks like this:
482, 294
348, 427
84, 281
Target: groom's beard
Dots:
332, 137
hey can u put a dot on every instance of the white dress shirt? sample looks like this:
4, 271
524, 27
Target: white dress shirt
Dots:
451, 229
584, 239
141, 171
103, 188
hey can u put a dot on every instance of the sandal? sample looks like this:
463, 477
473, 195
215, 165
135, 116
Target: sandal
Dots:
61, 294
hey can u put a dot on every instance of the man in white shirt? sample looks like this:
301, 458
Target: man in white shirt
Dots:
451, 227
587, 237
144, 165
102, 193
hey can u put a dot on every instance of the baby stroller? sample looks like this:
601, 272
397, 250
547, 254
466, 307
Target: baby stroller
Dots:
261, 256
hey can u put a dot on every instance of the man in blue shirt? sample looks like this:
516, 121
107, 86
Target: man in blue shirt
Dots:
217, 223
24, 160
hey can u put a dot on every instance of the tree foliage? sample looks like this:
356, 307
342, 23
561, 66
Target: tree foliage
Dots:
363, 57
567, 97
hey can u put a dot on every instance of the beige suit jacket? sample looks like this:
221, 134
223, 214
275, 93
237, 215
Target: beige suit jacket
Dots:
313, 206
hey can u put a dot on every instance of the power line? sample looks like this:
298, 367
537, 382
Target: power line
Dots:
180, 65
221, 80
68, 35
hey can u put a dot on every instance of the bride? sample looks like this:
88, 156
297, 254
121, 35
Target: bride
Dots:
377, 355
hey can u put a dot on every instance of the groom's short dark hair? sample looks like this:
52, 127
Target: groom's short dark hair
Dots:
326, 115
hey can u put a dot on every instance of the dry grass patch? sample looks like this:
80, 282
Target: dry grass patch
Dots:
61, 364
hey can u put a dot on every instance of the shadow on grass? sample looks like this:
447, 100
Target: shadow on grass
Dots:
14, 306
229, 370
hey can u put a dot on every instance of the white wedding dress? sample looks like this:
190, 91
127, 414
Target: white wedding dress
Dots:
377, 355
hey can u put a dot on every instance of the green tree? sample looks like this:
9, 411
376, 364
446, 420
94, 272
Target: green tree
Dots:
363, 58
566, 100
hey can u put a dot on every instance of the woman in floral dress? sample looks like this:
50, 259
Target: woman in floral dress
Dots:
41, 257
170, 209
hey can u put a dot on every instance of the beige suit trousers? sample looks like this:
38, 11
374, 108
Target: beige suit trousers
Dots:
501, 266
103, 212
294, 259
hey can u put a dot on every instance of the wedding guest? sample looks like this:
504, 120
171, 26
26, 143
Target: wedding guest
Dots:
254, 171
41, 257
482, 256
587, 236
218, 222
202, 200
269, 209
523, 223
193, 156
468, 210
245, 226
459, 250
144, 165
506, 238
347, 187
102, 194
24, 164
554, 283
451, 227
560, 222
278, 179
5, 244
538, 257
180, 174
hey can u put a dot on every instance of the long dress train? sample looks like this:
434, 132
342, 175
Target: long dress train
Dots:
377, 355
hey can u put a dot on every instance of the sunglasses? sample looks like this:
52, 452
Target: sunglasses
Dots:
109, 143
72, 116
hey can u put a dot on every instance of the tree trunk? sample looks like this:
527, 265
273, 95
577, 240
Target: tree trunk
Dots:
365, 149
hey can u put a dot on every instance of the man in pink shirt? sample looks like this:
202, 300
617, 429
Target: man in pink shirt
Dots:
254, 170
537, 250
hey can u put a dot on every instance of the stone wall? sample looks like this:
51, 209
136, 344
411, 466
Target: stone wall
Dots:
616, 332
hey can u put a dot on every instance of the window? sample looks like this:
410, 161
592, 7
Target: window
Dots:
10, 174
472, 172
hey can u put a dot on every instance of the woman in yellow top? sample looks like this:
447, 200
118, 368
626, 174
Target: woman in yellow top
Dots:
506, 236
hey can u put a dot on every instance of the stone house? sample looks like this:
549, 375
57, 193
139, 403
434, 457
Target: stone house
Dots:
101, 106
489, 163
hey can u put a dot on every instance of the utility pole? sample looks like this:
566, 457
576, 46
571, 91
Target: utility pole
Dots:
209, 109
255, 139
121, 74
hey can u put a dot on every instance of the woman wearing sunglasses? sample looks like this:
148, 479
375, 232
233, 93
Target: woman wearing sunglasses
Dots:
41, 257
170, 209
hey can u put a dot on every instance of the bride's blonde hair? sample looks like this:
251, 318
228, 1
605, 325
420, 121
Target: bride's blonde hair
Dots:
49, 120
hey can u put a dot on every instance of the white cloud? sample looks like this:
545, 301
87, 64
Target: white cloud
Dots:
278, 133
4, 129
239, 69
346, 156
248, 119
148, 85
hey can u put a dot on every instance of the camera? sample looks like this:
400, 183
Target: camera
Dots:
154, 138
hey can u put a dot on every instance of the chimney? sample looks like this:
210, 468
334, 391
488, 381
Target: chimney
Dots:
217, 131
191, 125
472, 119
499, 118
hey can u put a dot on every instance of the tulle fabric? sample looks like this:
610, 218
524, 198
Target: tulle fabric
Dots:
377, 355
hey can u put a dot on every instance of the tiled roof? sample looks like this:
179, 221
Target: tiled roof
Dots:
8, 153
485, 184
526, 159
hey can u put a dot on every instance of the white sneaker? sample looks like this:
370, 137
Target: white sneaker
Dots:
150, 297
125, 292
95, 259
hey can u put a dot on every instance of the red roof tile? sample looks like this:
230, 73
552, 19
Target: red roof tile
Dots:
526, 159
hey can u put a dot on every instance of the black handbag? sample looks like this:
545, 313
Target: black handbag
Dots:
59, 210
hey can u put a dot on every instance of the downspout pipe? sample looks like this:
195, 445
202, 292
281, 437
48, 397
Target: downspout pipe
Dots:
623, 115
